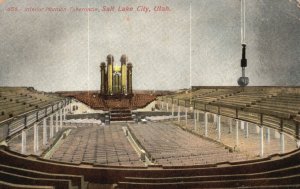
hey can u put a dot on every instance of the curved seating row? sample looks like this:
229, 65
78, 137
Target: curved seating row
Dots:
169, 145
101, 145
15, 101
277, 170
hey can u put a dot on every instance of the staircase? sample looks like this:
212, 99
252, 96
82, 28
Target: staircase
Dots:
121, 115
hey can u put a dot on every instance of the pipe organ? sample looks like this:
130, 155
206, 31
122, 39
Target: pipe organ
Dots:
116, 80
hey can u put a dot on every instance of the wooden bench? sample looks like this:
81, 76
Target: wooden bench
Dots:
19, 179
75, 179
7, 185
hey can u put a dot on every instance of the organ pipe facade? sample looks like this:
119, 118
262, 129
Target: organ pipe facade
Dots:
124, 73
116, 80
103, 78
110, 65
129, 78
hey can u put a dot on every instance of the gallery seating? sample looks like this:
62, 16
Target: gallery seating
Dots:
17, 100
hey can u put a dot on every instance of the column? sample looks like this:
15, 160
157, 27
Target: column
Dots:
205, 123
282, 142
23, 145
247, 129
35, 138
51, 126
178, 113
219, 127
215, 120
56, 122
257, 128
268, 135
162, 105
276, 134
230, 125
198, 117
261, 141
195, 120
167, 107
70, 107
242, 125
44, 131
237, 133
60, 118
186, 117
172, 110
64, 113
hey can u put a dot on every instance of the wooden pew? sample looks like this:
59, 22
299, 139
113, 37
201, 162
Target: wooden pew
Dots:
18, 179
7, 185
75, 179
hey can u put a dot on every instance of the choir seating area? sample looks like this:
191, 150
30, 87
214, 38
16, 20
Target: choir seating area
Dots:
93, 100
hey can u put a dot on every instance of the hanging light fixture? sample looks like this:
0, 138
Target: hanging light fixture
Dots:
243, 81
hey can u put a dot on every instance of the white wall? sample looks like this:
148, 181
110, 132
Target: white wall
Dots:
82, 108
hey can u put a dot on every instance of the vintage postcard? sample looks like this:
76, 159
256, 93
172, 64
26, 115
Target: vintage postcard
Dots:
149, 94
